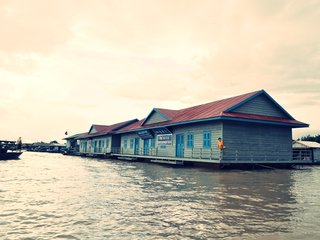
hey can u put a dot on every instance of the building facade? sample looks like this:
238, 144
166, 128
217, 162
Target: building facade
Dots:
306, 150
100, 139
253, 126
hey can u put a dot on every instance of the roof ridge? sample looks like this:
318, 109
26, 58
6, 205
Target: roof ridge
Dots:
220, 100
100, 125
208, 103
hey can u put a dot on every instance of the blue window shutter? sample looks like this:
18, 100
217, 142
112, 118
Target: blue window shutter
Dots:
190, 140
206, 139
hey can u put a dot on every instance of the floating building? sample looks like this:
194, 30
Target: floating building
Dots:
306, 150
99, 140
254, 128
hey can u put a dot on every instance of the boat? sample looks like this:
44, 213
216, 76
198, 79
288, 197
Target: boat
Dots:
9, 155
8, 151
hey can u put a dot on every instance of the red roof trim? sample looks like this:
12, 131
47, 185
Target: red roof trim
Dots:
264, 118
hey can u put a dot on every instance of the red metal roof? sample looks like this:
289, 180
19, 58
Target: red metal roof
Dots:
262, 118
211, 110
98, 128
168, 112
107, 129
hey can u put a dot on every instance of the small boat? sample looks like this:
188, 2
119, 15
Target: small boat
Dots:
10, 155
8, 151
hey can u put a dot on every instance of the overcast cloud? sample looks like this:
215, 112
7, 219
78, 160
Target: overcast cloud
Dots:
66, 64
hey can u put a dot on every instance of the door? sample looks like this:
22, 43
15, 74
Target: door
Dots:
146, 147
136, 146
179, 145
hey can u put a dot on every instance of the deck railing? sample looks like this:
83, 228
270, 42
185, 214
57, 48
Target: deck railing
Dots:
224, 155
191, 153
302, 155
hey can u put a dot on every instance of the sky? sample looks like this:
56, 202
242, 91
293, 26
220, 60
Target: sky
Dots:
68, 64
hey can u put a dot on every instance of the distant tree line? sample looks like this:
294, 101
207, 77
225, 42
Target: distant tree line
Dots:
315, 138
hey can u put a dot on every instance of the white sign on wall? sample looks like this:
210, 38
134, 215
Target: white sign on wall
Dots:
164, 139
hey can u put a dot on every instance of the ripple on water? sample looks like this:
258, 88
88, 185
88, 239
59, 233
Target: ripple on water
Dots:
50, 196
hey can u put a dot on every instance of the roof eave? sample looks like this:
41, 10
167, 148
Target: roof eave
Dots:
293, 125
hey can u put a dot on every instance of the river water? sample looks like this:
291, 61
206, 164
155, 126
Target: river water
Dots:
51, 196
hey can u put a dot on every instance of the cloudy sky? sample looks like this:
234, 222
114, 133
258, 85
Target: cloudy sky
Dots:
67, 64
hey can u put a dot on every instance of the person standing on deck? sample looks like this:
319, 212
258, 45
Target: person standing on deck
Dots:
19, 144
220, 146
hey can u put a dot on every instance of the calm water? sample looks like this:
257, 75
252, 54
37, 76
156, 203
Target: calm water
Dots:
51, 196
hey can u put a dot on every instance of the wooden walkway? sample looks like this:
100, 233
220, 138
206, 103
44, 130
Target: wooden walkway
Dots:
179, 160
182, 160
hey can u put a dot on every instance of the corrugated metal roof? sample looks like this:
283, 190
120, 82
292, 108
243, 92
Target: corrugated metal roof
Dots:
106, 129
305, 144
134, 126
168, 112
212, 110
98, 127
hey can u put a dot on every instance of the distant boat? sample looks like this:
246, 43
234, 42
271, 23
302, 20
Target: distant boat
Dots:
10, 155
7, 152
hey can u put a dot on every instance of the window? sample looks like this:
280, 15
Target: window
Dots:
190, 140
107, 143
206, 139
131, 143
125, 143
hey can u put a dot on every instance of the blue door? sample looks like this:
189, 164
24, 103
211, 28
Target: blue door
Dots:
179, 145
146, 147
136, 146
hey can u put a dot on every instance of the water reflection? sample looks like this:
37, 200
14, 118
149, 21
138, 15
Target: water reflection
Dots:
216, 204
52, 196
